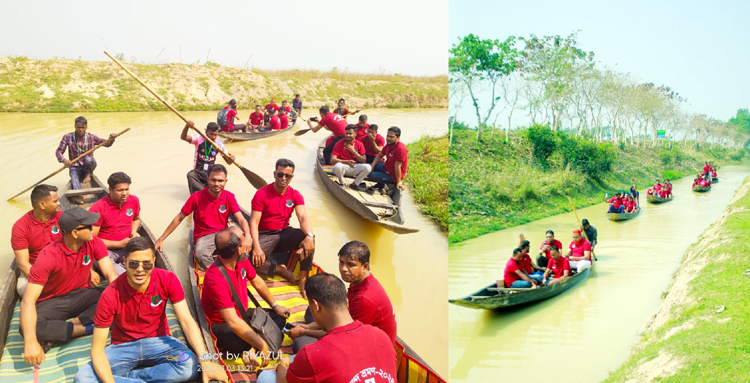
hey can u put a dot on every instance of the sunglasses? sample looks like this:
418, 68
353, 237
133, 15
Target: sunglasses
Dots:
284, 175
146, 265
87, 227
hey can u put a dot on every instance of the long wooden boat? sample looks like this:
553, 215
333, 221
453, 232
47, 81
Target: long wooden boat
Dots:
492, 297
654, 198
376, 208
248, 136
410, 367
623, 216
714, 180
62, 362
701, 189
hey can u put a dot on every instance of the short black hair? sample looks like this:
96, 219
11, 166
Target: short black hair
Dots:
216, 168
516, 251
357, 250
363, 117
328, 290
373, 127
41, 192
553, 248
234, 242
257, 106
395, 130
283, 101
81, 120
550, 232
351, 127
525, 244
118, 178
284, 163
139, 244
341, 99
212, 127
585, 222
232, 102
324, 109
296, 95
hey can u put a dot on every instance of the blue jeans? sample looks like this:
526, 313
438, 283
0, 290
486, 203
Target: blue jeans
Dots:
620, 209
520, 284
537, 276
378, 174
151, 355
269, 376
79, 172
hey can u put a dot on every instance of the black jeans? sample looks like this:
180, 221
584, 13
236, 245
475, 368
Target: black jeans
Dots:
329, 149
197, 180
278, 245
52, 314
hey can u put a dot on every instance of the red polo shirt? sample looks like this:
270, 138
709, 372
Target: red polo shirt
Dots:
276, 209
362, 132
343, 154
509, 275
216, 293
116, 222
369, 304
579, 248
554, 243
256, 118
394, 153
336, 124
284, 121
30, 233
273, 107
135, 315
210, 214
61, 270
558, 267
274, 123
351, 353
379, 140
525, 264
616, 202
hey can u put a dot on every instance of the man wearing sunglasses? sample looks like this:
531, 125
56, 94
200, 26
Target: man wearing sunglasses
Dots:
58, 287
210, 208
142, 347
273, 238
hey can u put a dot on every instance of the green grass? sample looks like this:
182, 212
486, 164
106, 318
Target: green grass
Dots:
428, 177
717, 349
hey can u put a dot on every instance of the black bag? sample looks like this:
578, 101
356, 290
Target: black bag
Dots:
266, 324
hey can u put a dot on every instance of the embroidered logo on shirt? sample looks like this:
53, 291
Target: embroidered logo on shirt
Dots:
86, 259
243, 272
289, 203
213, 153
222, 209
156, 300
55, 229
129, 212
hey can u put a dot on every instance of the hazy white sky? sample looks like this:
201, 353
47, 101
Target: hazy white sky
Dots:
391, 36
698, 48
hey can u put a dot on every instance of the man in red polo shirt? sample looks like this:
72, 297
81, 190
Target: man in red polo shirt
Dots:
273, 238
59, 289
332, 122
579, 252
231, 115
348, 159
615, 204
534, 271
544, 250
34, 230
119, 218
389, 167
373, 143
283, 118
142, 346
232, 333
341, 355
272, 107
558, 268
274, 123
210, 208
362, 127
514, 275
256, 119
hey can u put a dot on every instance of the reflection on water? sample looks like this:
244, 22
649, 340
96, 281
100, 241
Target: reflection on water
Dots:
157, 161
588, 331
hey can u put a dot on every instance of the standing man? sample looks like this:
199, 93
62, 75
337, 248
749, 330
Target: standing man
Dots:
273, 238
590, 233
205, 155
78, 143
35, 230
256, 119
210, 208
332, 122
142, 347
348, 159
373, 143
297, 104
119, 218
58, 287
389, 167
579, 252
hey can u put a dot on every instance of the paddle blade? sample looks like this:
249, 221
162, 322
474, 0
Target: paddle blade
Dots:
301, 132
254, 179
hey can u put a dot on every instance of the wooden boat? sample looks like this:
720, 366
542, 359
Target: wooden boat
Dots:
492, 297
376, 208
623, 216
701, 189
410, 367
62, 362
714, 180
656, 199
248, 136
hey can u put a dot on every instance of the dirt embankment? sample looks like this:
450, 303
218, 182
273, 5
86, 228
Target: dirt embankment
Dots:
73, 85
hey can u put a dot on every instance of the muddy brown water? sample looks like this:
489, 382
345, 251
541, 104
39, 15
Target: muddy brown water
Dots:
412, 268
588, 331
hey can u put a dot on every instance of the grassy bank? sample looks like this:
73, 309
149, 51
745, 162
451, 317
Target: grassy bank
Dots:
495, 185
701, 332
427, 177
74, 85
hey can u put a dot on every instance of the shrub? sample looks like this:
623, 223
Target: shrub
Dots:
665, 157
737, 155
671, 175
591, 158
543, 142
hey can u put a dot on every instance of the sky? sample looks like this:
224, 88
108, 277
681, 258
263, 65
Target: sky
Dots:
698, 48
385, 36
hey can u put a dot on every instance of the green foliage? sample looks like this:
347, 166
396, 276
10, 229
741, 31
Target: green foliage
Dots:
738, 155
428, 177
671, 175
543, 142
211, 64
591, 158
665, 157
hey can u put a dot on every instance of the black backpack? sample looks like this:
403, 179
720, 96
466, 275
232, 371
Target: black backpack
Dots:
221, 118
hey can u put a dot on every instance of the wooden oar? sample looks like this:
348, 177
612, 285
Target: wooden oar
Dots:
253, 178
86, 153
581, 226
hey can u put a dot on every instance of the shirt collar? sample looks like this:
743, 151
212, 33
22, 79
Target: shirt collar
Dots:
133, 292
361, 285
345, 328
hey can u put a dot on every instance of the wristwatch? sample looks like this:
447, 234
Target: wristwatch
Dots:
311, 235
274, 304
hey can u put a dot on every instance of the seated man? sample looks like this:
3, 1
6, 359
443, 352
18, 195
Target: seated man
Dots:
340, 355
514, 276
210, 208
390, 166
273, 239
615, 204
373, 143
544, 250
142, 347
232, 333
558, 268
362, 127
205, 155
333, 123
119, 218
579, 252
256, 119
591, 233
283, 118
274, 123
534, 271
78, 143
348, 159
34, 230
58, 287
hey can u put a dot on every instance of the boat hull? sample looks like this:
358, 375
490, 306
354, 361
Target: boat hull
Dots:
657, 199
623, 216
